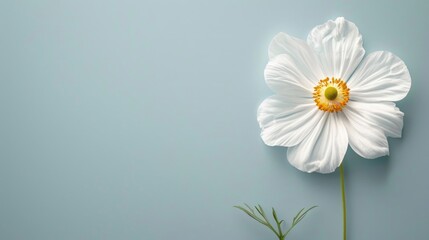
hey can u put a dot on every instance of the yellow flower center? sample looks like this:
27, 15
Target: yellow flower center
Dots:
331, 95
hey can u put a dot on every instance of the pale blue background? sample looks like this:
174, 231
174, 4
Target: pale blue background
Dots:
137, 120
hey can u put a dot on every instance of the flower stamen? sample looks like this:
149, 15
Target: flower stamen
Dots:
331, 95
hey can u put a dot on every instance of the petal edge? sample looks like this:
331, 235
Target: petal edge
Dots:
381, 76
339, 45
323, 149
285, 123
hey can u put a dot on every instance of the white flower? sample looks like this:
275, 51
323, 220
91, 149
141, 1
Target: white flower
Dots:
328, 95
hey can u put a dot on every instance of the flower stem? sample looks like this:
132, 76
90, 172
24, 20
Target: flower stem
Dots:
343, 194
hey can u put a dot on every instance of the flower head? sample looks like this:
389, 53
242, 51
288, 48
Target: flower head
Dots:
329, 95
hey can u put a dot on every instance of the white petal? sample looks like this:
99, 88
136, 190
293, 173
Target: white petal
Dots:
284, 123
365, 139
323, 149
285, 78
381, 76
298, 58
339, 45
385, 116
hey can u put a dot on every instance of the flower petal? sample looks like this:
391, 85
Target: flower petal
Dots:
381, 76
285, 123
323, 149
299, 60
365, 139
284, 79
385, 116
339, 45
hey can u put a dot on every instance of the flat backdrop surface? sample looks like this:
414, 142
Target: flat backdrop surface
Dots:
137, 120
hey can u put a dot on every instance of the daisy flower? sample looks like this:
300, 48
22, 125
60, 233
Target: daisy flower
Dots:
329, 95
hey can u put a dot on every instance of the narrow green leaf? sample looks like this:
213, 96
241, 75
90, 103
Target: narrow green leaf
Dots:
260, 216
303, 214
297, 215
251, 215
243, 209
260, 211
275, 215
250, 208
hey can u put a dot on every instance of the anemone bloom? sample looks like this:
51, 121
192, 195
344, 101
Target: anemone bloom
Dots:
328, 95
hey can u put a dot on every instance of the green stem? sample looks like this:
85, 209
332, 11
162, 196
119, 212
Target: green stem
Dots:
343, 194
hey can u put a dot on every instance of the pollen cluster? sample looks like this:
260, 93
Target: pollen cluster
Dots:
331, 94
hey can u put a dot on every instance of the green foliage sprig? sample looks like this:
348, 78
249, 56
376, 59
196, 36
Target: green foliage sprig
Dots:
262, 218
